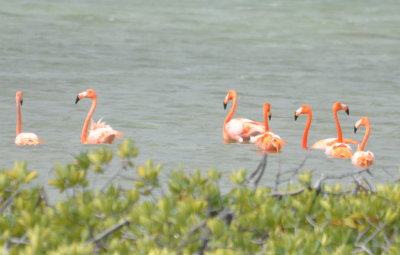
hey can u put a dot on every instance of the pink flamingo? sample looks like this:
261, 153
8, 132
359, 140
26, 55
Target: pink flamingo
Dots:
99, 132
268, 141
337, 148
23, 138
321, 144
238, 129
363, 159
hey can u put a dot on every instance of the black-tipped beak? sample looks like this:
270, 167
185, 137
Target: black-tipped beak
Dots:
225, 106
348, 111
295, 117
77, 99
355, 129
21, 102
269, 117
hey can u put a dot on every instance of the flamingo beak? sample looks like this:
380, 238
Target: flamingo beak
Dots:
347, 111
21, 102
355, 129
225, 104
270, 116
295, 117
77, 99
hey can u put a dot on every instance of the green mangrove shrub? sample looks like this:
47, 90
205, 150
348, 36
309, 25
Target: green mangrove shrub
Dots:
188, 213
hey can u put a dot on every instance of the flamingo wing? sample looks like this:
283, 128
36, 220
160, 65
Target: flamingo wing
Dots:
322, 144
269, 142
241, 129
253, 128
100, 132
338, 150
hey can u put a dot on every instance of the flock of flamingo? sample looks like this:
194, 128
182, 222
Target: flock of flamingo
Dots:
238, 129
244, 131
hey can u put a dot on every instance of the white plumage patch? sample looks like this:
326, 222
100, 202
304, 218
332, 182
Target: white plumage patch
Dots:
100, 132
26, 139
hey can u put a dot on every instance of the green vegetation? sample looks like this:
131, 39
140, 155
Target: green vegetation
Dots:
189, 214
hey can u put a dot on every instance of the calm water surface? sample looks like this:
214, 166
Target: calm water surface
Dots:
162, 68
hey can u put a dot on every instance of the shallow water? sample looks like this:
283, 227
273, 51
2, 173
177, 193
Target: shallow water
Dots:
162, 68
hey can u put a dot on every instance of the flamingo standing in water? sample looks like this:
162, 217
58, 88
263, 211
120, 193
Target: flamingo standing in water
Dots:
99, 132
363, 159
337, 148
268, 141
321, 144
23, 138
238, 129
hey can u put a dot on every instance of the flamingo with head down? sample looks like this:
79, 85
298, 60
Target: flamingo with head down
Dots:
23, 138
99, 132
363, 159
238, 129
321, 144
337, 148
268, 141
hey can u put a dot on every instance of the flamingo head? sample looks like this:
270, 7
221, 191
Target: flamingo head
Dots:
304, 109
89, 93
338, 106
230, 96
362, 122
19, 97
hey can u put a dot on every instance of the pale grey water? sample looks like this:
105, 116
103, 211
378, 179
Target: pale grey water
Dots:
162, 68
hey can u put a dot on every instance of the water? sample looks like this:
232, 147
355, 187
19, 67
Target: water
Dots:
162, 68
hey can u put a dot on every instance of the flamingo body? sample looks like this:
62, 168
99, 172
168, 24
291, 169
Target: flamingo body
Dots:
363, 159
322, 144
269, 142
239, 129
338, 150
27, 139
99, 132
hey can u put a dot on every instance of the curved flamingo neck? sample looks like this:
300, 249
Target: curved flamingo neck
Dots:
87, 120
339, 129
230, 115
365, 139
232, 111
306, 129
18, 129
